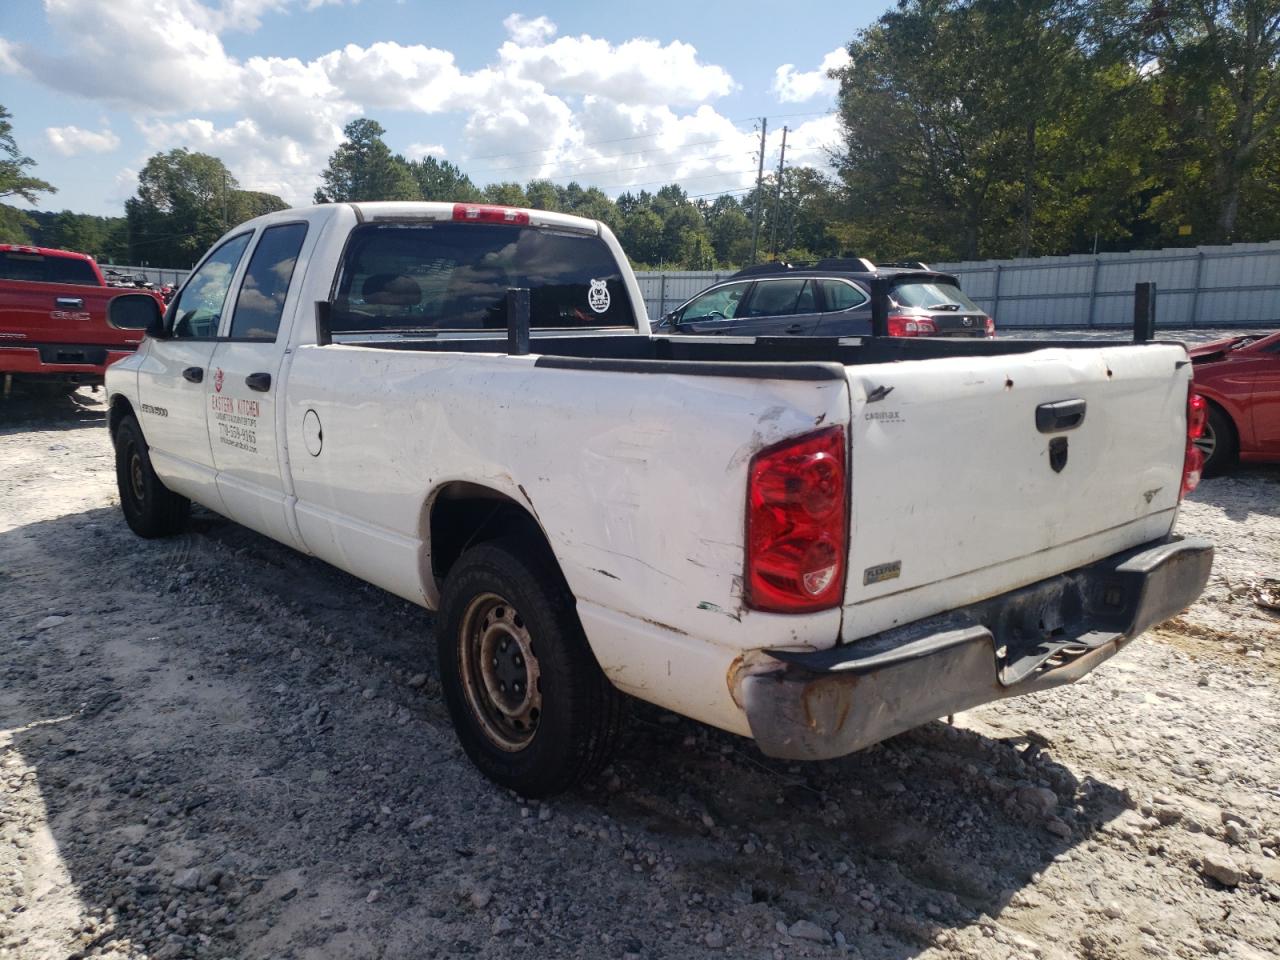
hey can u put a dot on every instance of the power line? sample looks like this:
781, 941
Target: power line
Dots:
605, 156
643, 166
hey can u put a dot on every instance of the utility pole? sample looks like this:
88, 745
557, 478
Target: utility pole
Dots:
755, 233
224, 200
777, 199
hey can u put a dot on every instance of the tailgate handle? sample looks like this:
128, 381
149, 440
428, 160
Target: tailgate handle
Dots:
70, 303
1060, 416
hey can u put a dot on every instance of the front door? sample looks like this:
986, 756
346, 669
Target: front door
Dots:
244, 422
174, 374
1265, 404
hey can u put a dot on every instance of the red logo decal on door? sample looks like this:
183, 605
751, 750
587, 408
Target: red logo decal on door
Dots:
217, 380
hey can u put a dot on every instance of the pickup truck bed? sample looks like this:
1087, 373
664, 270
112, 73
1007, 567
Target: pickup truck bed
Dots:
758, 534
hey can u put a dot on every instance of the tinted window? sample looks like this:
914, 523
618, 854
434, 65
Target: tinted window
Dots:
199, 306
929, 295
841, 295
455, 276
266, 282
17, 265
719, 304
780, 298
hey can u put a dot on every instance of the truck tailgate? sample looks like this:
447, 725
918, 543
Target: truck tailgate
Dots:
959, 494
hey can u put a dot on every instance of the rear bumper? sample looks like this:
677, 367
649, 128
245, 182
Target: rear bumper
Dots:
832, 702
75, 362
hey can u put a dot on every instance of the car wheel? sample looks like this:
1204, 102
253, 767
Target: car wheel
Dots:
150, 508
531, 706
1218, 442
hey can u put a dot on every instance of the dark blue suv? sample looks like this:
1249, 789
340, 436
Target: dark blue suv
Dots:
830, 298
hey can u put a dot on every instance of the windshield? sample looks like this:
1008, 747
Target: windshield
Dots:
932, 295
455, 276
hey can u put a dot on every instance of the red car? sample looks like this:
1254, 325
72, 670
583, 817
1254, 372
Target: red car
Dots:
1240, 377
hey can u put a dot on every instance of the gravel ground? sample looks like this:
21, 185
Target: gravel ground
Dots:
211, 746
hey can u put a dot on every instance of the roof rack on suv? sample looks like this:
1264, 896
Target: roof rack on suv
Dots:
774, 266
906, 265
860, 264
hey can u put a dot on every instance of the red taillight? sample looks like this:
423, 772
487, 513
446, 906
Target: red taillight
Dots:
1193, 462
990, 325
911, 327
797, 524
480, 213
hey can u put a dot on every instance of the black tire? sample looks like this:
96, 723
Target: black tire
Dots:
150, 508
1220, 443
562, 726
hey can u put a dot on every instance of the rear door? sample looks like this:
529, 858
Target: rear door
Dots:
1265, 405
243, 388
959, 495
175, 373
786, 306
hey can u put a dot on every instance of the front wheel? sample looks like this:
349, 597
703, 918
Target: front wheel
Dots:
150, 508
531, 706
1218, 442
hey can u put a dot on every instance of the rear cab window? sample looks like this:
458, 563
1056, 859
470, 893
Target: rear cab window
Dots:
406, 278
38, 268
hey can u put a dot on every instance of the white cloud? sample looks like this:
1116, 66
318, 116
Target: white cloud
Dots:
794, 86
416, 151
274, 121
9, 58
810, 144
528, 33
71, 140
636, 71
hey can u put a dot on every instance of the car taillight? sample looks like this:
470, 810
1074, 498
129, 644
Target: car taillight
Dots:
911, 326
1193, 462
989, 325
797, 524
481, 213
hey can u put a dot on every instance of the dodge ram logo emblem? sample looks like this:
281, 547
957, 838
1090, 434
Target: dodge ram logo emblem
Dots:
217, 380
1058, 453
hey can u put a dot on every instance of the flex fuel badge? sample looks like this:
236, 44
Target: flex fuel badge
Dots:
881, 572
598, 296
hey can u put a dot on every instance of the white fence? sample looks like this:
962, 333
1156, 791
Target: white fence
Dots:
1226, 286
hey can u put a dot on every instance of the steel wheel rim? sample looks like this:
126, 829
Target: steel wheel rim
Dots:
501, 677
1206, 443
136, 478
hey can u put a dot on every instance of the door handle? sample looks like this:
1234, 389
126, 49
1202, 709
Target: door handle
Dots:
70, 303
194, 374
1063, 415
258, 381
796, 328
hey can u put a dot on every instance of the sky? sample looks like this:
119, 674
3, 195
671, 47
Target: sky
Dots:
616, 96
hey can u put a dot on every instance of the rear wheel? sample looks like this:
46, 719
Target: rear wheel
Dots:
531, 706
1218, 442
150, 508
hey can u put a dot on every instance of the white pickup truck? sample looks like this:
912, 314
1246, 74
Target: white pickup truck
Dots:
814, 543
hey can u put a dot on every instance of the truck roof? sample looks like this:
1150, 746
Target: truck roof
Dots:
44, 251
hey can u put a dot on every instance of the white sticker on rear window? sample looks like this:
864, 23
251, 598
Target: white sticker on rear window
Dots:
598, 296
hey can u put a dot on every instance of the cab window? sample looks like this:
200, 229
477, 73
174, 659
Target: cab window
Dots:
266, 283
199, 307
719, 304
455, 276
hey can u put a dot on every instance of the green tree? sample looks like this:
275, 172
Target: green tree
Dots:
14, 180
442, 180
185, 201
507, 194
642, 236
363, 168
1217, 63
542, 195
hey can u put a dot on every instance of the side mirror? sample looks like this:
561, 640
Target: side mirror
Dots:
137, 311
670, 320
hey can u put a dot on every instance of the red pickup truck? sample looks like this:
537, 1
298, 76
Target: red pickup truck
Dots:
53, 319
